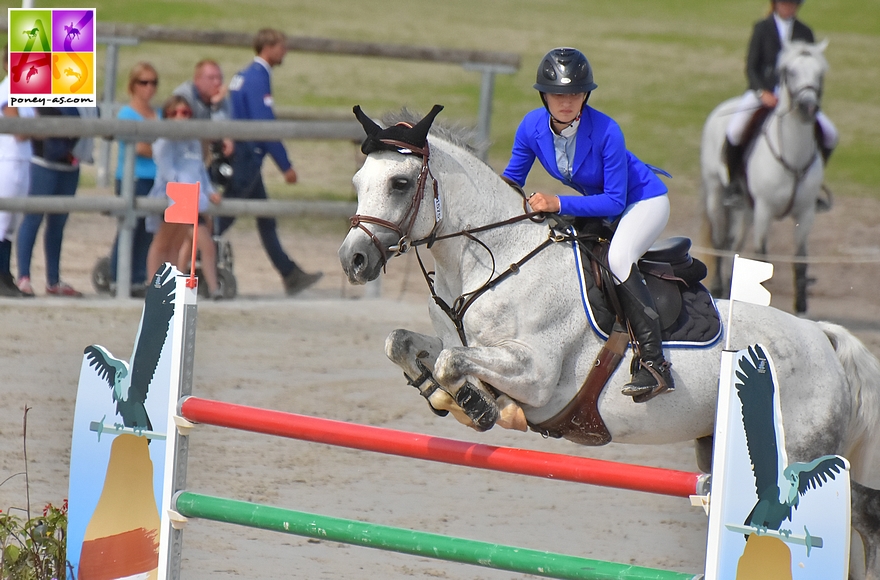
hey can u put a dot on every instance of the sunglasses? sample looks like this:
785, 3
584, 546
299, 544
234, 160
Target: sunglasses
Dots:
180, 113
145, 82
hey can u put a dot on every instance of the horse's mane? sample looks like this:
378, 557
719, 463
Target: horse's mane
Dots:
796, 48
456, 134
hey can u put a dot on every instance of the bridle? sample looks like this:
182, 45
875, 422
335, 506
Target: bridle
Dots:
403, 229
797, 173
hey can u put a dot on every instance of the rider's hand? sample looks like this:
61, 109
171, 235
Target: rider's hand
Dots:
543, 202
769, 99
290, 175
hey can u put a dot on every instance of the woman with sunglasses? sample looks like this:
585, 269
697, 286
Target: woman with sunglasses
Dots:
142, 83
182, 162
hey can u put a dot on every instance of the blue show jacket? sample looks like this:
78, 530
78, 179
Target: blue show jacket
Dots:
250, 92
608, 177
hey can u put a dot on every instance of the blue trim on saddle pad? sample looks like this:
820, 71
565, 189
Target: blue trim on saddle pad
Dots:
591, 318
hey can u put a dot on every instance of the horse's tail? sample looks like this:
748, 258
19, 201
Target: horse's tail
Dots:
862, 370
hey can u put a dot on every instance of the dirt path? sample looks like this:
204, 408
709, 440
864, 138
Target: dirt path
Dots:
321, 354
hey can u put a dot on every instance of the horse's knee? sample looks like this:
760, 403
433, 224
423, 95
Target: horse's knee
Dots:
449, 370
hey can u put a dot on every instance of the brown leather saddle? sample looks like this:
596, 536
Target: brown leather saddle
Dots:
688, 317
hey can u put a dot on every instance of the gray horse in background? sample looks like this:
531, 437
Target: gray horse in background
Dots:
784, 169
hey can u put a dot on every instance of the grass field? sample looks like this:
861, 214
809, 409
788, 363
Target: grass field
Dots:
661, 66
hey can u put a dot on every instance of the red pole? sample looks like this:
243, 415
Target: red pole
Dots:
418, 446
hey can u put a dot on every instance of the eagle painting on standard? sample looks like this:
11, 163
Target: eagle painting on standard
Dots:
779, 520
118, 448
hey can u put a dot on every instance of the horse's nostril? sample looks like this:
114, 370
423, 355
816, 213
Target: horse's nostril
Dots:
358, 261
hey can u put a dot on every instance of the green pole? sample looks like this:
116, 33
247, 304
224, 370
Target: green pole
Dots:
485, 554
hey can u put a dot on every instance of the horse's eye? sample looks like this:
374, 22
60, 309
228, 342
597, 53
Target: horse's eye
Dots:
400, 184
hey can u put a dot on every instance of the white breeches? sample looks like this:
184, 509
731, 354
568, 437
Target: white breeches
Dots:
16, 176
639, 227
749, 103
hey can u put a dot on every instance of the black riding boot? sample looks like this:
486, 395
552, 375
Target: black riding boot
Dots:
652, 375
735, 192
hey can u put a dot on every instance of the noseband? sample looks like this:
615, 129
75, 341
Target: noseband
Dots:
403, 228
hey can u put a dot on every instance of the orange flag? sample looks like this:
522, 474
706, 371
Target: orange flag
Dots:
185, 210
185, 206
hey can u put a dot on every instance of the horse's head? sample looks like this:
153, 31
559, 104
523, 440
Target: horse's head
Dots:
802, 67
390, 187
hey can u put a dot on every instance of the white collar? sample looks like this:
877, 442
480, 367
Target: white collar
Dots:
569, 131
262, 61
783, 27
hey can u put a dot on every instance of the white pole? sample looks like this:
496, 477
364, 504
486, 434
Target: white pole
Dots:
27, 3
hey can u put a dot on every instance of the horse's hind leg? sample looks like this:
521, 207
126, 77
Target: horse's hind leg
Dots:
703, 448
866, 521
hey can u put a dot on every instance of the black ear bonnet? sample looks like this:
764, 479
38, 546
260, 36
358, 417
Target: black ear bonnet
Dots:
401, 138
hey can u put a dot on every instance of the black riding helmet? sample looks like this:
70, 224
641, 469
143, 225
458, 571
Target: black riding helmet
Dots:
565, 71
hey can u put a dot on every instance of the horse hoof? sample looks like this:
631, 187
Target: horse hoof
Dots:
478, 405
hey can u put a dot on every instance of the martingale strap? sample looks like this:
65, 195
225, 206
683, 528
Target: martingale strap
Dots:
462, 303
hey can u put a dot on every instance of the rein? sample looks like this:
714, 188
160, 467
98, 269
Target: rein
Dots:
403, 228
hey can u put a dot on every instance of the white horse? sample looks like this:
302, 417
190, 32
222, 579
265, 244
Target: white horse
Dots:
528, 338
784, 169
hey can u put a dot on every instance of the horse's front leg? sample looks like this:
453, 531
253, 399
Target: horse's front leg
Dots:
511, 369
802, 228
417, 354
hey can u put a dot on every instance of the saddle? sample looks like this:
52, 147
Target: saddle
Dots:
687, 310
688, 316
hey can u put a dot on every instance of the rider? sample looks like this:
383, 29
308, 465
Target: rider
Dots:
585, 150
765, 45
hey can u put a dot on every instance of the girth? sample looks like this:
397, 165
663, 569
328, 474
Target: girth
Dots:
580, 421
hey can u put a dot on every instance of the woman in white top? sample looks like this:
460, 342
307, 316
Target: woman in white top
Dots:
15, 156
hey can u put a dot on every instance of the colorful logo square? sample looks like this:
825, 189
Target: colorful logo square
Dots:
30, 73
73, 30
72, 73
30, 30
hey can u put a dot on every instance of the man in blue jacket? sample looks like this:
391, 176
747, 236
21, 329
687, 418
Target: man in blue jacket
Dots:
250, 93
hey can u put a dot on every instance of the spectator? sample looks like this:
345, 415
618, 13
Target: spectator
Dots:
15, 155
142, 83
181, 162
205, 93
54, 171
251, 95
209, 100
